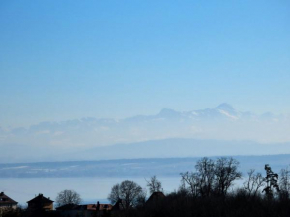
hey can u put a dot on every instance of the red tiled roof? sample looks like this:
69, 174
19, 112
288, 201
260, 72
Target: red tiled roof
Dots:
4, 199
70, 206
40, 198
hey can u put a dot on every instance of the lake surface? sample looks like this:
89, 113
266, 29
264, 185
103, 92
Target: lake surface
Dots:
90, 189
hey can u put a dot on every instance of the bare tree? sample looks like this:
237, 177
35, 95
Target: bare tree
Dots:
128, 193
254, 182
211, 176
68, 197
190, 182
226, 172
284, 182
206, 174
154, 185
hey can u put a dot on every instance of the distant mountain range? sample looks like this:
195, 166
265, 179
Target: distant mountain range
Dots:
223, 111
170, 133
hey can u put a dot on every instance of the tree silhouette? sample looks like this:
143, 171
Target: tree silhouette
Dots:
154, 185
68, 197
206, 175
226, 172
272, 182
284, 183
129, 194
211, 177
254, 182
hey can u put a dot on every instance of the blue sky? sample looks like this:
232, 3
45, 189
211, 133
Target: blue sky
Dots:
61, 60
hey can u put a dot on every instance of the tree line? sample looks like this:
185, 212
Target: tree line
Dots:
210, 189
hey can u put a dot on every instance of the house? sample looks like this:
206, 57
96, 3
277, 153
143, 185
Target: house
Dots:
70, 206
93, 207
155, 197
86, 210
40, 203
100, 206
6, 202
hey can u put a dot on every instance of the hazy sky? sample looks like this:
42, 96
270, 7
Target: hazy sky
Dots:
70, 59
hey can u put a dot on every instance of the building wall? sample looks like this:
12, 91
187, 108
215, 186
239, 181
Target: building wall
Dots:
46, 206
5, 206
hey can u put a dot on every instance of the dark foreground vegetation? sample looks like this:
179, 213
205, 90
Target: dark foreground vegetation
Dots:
178, 204
210, 190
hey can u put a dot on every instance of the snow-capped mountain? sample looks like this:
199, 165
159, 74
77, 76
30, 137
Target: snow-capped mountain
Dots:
223, 123
223, 111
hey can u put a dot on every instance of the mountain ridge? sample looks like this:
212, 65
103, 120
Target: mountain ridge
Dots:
221, 123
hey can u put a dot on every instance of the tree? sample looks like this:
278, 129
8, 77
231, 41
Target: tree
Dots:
284, 183
211, 176
272, 182
67, 197
206, 174
226, 172
128, 193
154, 185
254, 182
190, 183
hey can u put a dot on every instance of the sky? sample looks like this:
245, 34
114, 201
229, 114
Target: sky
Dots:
62, 60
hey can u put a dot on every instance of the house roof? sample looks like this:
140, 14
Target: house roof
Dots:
4, 199
69, 206
40, 199
155, 196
